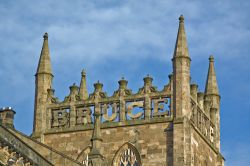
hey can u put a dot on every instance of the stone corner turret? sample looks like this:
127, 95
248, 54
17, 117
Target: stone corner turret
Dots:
7, 117
43, 80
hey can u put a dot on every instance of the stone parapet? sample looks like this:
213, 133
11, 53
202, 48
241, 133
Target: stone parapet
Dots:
24, 149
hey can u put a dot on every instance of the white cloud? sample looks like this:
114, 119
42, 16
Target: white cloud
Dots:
107, 30
112, 37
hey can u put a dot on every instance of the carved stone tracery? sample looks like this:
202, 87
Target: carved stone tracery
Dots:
130, 108
160, 107
122, 106
83, 157
127, 155
83, 115
114, 110
60, 118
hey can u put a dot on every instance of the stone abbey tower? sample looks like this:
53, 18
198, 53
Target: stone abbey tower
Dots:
174, 126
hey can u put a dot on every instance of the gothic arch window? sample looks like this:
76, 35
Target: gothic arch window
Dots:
127, 155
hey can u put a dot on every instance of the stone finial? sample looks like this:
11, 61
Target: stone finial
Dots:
200, 99
213, 112
51, 92
181, 18
211, 83
123, 83
83, 73
123, 90
51, 96
83, 92
44, 65
45, 36
181, 48
193, 91
148, 80
211, 58
98, 92
73, 89
148, 87
98, 86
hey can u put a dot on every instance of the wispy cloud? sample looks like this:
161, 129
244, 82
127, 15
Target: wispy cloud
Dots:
122, 38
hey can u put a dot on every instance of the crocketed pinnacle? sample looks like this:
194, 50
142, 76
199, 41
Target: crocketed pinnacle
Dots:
44, 65
96, 138
211, 84
181, 48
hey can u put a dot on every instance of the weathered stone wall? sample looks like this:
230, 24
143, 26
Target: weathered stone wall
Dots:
54, 157
149, 139
203, 152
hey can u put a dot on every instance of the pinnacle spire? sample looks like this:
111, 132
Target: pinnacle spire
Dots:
44, 65
95, 155
181, 74
181, 48
211, 84
83, 92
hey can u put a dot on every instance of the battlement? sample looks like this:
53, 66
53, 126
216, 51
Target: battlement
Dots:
148, 105
123, 108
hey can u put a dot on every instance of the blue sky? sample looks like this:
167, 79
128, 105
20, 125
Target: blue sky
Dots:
111, 39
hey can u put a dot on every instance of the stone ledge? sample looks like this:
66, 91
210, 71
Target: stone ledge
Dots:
106, 125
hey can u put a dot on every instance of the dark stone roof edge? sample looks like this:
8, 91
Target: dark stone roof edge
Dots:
53, 150
5, 131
